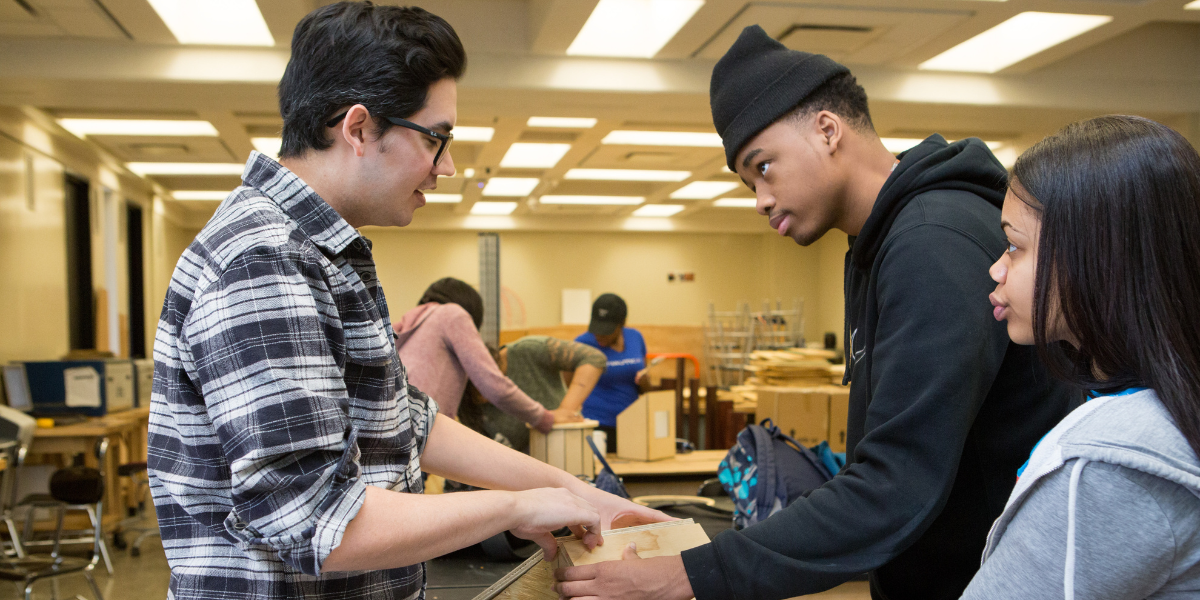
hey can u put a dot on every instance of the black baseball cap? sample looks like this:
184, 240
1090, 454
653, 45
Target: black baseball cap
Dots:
608, 313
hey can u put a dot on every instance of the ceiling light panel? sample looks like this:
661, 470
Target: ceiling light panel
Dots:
510, 186
594, 200
199, 195
493, 208
220, 22
156, 168
443, 198
663, 138
268, 145
473, 134
85, 127
658, 210
632, 28
562, 122
736, 203
1193, 5
626, 175
703, 190
525, 155
1013, 41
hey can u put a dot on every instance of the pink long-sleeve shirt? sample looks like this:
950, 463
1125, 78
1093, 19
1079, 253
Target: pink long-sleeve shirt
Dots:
441, 349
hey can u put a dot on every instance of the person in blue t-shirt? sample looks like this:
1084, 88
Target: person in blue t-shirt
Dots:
625, 377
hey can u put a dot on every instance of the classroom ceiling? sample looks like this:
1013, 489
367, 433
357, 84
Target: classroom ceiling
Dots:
118, 59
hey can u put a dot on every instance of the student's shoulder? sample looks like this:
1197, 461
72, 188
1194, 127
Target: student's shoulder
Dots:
633, 334
246, 223
941, 217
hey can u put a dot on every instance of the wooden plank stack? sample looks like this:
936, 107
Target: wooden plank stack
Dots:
794, 367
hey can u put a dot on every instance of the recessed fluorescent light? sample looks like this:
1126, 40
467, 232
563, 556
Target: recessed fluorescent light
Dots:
156, 168
1194, 5
493, 208
736, 203
632, 28
658, 210
1013, 41
703, 190
564, 122
443, 198
268, 145
610, 200
510, 186
199, 195
533, 156
898, 145
473, 134
83, 127
224, 22
663, 138
626, 175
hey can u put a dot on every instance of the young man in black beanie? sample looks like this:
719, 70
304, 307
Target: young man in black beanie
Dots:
943, 407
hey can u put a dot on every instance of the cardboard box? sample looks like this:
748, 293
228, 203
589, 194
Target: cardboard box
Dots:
565, 447
143, 369
802, 413
646, 430
839, 413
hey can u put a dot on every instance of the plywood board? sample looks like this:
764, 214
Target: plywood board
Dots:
658, 539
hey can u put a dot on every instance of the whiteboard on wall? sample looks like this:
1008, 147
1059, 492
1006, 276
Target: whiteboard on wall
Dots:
576, 306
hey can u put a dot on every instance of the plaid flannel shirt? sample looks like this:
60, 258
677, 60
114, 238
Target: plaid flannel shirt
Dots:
278, 397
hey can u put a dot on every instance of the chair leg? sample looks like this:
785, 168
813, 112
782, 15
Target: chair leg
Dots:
92, 583
12, 533
28, 589
100, 544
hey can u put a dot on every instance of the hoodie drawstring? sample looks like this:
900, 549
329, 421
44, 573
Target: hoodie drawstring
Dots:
1069, 568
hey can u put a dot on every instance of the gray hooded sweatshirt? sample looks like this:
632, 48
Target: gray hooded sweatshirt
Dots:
1108, 507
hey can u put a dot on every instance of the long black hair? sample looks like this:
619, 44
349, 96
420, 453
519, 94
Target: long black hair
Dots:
1119, 258
449, 290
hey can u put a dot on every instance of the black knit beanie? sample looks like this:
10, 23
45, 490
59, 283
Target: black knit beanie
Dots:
759, 80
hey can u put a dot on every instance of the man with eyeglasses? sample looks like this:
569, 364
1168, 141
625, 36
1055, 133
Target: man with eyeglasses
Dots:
286, 446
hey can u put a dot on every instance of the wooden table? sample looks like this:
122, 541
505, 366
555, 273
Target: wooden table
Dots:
126, 434
681, 475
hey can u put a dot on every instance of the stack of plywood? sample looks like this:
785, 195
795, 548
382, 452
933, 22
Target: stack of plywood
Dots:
795, 367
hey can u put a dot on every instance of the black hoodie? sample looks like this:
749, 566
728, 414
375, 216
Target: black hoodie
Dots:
943, 407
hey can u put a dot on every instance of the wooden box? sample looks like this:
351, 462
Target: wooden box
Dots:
802, 413
657, 539
646, 430
532, 580
565, 447
839, 413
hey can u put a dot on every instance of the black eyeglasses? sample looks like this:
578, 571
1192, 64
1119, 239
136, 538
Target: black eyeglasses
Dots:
443, 139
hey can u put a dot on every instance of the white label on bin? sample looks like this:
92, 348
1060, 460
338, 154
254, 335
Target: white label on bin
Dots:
662, 424
82, 387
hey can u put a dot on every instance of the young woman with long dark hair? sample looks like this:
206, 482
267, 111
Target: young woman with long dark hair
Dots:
1102, 274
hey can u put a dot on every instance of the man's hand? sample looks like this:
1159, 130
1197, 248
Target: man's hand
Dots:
632, 578
562, 415
542, 511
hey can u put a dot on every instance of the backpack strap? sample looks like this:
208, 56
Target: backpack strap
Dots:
598, 453
764, 453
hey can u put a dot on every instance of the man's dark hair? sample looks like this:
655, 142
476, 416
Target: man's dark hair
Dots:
449, 290
1118, 258
842, 96
383, 57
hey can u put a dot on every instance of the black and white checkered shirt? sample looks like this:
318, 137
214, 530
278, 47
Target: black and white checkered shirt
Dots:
278, 397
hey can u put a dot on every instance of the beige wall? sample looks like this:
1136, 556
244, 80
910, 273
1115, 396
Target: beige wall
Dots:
33, 270
536, 266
